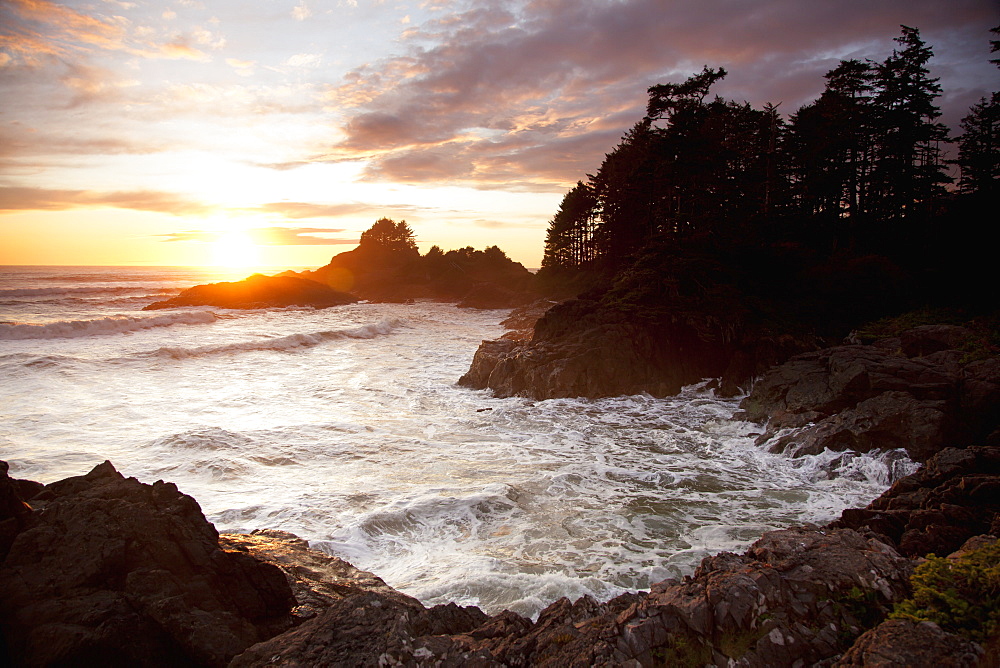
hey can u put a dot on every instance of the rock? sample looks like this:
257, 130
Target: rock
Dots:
899, 643
954, 497
861, 397
316, 579
15, 514
258, 291
113, 571
587, 348
371, 629
582, 350
927, 339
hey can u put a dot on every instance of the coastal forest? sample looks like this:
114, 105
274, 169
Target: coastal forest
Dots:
846, 203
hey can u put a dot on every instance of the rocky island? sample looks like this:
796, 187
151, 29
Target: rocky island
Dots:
385, 267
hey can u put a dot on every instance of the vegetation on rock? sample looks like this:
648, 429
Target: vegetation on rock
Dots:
960, 595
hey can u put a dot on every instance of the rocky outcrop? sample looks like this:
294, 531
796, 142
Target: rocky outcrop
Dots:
317, 579
258, 291
910, 392
105, 570
902, 642
955, 496
582, 348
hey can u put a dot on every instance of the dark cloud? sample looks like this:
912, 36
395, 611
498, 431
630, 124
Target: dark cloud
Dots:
271, 236
532, 89
45, 199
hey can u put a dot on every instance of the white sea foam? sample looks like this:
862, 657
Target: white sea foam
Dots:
108, 325
366, 447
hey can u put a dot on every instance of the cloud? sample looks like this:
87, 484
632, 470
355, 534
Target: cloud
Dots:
305, 60
271, 236
45, 199
245, 68
300, 210
493, 91
301, 12
34, 30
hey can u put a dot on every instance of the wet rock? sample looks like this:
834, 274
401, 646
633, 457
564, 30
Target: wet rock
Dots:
112, 571
900, 643
258, 291
955, 496
861, 397
580, 349
317, 579
370, 629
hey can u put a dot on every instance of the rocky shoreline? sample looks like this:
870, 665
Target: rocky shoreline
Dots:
103, 569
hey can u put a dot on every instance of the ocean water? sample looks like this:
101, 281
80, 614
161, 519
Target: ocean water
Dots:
345, 426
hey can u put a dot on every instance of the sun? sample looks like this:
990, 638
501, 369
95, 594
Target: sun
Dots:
235, 250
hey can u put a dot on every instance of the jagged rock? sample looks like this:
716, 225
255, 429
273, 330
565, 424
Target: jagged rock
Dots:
371, 629
902, 643
954, 497
111, 571
258, 291
584, 348
796, 595
860, 397
317, 579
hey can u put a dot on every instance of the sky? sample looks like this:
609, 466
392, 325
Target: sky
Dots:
272, 133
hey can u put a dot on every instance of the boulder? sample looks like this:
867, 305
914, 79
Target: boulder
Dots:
111, 571
897, 643
258, 291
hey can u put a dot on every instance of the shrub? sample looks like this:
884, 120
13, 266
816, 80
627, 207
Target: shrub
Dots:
959, 595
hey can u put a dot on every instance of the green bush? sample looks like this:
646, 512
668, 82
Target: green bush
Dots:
960, 595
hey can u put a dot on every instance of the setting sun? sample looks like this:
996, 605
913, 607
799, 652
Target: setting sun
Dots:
235, 249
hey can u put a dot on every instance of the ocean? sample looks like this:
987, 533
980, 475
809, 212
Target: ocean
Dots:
346, 426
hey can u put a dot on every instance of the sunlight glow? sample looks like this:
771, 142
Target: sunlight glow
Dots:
235, 249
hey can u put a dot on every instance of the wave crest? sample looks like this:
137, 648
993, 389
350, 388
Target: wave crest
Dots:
116, 324
282, 343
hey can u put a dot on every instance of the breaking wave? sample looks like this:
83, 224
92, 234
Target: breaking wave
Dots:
283, 343
72, 329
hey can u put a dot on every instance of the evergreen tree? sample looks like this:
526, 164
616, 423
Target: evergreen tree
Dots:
909, 169
979, 148
569, 241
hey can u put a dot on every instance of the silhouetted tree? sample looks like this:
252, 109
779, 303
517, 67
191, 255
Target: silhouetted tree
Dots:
569, 240
979, 143
389, 235
979, 148
908, 172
